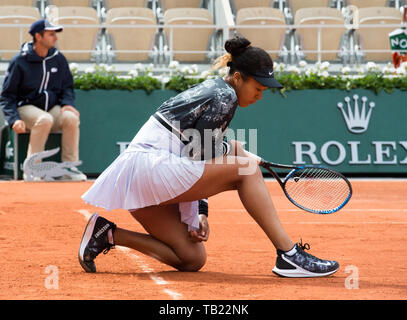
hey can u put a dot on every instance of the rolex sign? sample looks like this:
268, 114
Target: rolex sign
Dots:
354, 131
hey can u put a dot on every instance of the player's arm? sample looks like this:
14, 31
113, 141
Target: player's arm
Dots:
203, 233
237, 149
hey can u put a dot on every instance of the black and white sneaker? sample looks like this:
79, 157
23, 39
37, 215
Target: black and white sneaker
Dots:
297, 263
97, 237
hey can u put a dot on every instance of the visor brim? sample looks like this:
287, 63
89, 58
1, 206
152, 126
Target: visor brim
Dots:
268, 82
56, 28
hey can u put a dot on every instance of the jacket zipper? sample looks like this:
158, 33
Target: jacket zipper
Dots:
46, 100
46, 92
45, 79
44, 73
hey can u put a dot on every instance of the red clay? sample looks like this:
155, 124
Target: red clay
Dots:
41, 227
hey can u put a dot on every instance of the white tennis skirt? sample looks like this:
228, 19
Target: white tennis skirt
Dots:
150, 171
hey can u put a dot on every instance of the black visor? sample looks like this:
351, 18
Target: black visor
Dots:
266, 78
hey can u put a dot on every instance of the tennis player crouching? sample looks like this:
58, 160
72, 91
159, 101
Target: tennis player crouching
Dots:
165, 187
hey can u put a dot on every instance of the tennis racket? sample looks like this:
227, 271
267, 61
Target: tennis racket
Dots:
312, 188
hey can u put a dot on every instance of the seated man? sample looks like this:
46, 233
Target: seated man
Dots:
38, 95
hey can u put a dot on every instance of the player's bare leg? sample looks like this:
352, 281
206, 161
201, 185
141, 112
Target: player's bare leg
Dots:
292, 261
242, 174
167, 240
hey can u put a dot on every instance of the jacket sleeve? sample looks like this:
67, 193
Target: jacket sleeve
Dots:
211, 137
9, 94
67, 96
211, 126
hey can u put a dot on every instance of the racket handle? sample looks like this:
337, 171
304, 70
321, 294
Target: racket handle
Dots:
254, 156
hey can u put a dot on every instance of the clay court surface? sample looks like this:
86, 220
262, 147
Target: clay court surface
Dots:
42, 224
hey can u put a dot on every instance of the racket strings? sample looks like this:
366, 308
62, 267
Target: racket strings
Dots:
317, 189
317, 201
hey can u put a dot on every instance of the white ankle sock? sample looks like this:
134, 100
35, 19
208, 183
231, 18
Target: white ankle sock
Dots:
291, 252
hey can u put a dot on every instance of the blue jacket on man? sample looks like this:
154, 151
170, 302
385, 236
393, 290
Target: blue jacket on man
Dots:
31, 79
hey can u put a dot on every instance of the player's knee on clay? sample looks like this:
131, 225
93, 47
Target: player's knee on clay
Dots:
193, 266
193, 261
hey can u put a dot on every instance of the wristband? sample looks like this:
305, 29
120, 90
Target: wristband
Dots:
203, 207
225, 147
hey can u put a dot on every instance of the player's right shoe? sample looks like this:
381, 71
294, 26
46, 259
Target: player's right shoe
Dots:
97, 237
302, 264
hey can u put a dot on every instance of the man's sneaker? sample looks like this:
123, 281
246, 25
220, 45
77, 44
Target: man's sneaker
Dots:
97, 237
33, 179
74, 175
301, 264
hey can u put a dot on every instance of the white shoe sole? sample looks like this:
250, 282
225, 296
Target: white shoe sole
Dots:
300, 273
87, 234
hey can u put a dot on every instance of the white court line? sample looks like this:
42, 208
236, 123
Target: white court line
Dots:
173, 294
141, 263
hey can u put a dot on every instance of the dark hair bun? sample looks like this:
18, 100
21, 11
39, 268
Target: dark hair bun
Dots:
236, 45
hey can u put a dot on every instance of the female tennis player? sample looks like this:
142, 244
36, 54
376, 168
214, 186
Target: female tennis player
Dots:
171, 167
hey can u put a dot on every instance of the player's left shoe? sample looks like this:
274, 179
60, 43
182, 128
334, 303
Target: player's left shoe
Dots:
300, 264
97, 237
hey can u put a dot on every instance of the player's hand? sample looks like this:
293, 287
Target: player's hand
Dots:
203, 233
19, 126
70, 108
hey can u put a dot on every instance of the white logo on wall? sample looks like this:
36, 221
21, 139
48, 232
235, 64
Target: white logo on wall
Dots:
9, 156
357, 120
34, 168
357, 113
9, 150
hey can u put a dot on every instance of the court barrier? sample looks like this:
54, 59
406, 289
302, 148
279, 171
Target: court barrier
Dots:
354, 132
